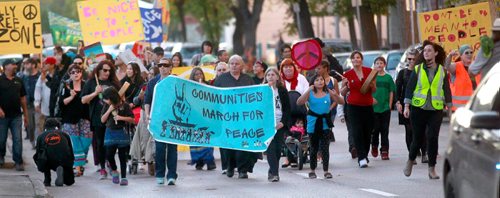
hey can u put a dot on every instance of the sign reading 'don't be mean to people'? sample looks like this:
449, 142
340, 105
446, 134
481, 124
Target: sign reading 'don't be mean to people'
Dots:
188, 113
20, 27
110, 22
454, 27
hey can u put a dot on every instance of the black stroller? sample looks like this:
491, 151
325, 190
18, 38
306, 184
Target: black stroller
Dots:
296, 143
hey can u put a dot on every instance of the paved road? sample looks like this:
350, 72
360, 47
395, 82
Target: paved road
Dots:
381, 179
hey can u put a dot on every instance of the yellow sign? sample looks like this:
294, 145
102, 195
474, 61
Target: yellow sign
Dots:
456, 26
20, 27
110, 22
184, 72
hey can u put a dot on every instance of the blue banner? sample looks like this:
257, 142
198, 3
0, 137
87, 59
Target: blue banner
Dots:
189, 113
153, 28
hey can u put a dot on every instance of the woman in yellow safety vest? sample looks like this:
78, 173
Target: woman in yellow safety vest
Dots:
427, 93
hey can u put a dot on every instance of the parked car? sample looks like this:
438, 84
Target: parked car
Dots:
402, 63
393, 59
338, 45
472, 159
368, 58
342, 58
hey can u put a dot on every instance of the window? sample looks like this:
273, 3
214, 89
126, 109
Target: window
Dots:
487, 98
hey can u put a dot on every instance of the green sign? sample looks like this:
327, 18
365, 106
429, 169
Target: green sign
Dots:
65, 31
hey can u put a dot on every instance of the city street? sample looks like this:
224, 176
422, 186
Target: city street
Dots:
380, 179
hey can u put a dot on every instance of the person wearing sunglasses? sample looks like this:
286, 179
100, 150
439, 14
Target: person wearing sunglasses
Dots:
401, 83
462, 84
165, 65
103, 76
75, 117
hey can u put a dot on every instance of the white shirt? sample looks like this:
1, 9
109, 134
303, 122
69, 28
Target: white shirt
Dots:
278, 113
302, 85
42, 96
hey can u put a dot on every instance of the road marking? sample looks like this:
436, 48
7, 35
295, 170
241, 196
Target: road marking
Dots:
378, 192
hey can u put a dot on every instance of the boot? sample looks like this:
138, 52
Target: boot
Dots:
432, 173
375, 151
408, 168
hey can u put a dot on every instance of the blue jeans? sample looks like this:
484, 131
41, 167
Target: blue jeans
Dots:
15, 126
171, 150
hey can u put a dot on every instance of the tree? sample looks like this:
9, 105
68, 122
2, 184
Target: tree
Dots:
369, 8
179, 5
61, 7
301, 23
245, 33
213, 15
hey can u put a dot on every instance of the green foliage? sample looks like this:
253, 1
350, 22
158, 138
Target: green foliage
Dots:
456, 3
66, 8
212, 14
344, 7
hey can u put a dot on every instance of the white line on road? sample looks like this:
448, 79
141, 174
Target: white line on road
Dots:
378, 192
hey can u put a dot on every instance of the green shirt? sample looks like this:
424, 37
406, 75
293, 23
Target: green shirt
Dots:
385, 85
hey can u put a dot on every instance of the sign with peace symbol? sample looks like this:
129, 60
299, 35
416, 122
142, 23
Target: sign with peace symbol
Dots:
307, 54
30, 11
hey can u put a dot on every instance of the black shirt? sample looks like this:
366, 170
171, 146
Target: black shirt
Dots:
74, 111
257, 80
11, 92
57, 146
133, 90
96, 104
227, 80
123, 110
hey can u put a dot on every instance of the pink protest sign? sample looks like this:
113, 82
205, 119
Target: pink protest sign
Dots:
110, 22
307, 54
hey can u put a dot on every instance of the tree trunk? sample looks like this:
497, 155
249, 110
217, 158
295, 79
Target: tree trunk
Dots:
305, 20
180, 8
369, 33
352, 32
252, 21
379, 30
238, 32
399, 28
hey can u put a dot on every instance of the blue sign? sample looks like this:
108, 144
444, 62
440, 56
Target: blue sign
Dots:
189, 113
153, 28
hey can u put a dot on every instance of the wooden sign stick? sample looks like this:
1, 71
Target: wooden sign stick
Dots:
369, 79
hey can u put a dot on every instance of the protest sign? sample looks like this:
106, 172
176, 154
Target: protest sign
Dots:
127, 56
20, 27
188, 113
456, 26
65, 31
91, 51
138, 49
110, 22
185, 71
307, 54
153, 29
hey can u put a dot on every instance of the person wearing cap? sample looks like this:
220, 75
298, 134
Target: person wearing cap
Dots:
258, 70
489, 53
43, 92
29, 76
208, 59
462, 84
206, 48
12, 98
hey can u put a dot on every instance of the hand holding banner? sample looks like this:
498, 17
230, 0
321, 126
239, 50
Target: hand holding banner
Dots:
189, 113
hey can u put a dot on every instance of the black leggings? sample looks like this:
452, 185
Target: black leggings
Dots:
361, 122
122, 156
320, 141
98, 145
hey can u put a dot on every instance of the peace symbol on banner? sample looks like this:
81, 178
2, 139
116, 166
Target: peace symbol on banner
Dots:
307, 54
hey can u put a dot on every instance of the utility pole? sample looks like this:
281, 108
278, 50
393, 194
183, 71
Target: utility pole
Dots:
296, 9
357, 4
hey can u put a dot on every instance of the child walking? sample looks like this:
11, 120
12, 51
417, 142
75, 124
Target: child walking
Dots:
382, 109
115, 115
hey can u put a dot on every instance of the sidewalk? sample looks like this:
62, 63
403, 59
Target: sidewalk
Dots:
26, 183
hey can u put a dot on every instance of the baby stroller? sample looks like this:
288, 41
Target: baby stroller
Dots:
297, 143
141, 147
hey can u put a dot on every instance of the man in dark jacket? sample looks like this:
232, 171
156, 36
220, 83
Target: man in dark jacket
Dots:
55, 152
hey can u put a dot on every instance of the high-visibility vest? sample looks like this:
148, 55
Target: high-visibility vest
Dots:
422, 89
461, 88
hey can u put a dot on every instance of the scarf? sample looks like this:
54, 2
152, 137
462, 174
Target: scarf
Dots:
293, 80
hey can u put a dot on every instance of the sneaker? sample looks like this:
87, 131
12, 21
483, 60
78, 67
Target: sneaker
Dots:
115, 176
160, 180
2, 161
242, 175
104, 174
19, 167
374, 151
312, 175
60, 176
171, 182
224, 172
275, 178
124, 182
328, 175
384, 155
363, 163
211, 166
230, 173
